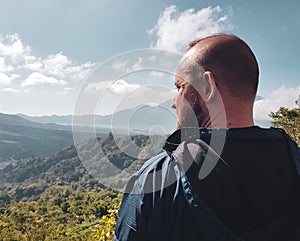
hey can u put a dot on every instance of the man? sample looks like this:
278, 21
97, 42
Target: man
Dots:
220, 177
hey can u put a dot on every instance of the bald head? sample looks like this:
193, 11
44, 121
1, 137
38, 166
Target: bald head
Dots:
232, 63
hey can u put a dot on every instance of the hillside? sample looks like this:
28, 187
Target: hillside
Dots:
21, 138
59, 191
60, 198
66, 168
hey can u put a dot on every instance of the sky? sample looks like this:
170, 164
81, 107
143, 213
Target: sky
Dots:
100, 56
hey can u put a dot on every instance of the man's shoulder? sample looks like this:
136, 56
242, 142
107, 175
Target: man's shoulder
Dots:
153, 163
152, 176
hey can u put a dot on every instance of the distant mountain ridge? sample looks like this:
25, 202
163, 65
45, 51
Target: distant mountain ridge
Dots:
58, 119
21, 138
18, 120
142, 117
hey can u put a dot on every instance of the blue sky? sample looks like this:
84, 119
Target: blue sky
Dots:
49, 48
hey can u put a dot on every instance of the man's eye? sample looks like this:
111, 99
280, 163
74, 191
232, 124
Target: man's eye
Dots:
178, 87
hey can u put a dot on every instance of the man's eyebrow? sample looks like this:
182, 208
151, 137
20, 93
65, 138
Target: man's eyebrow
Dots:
180, 80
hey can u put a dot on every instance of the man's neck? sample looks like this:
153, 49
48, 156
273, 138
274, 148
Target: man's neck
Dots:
234, 118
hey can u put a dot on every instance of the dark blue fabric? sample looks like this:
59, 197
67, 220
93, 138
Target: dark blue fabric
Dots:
159, 203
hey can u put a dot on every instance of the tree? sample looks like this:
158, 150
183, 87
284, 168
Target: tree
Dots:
289, 120
104, 231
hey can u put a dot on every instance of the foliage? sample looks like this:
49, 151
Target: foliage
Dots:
61, 213
289, 120
65, 167
104, 231
57, 198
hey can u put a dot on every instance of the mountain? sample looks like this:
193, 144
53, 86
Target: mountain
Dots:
21, 138
16, 120
145, 118
62, 120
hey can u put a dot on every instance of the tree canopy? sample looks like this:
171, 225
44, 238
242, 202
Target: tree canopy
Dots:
289, 120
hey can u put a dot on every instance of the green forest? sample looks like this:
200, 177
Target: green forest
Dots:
57, 198
60, 213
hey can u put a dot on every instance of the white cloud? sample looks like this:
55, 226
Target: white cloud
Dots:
10, 90
18, 62
138, 64
119, 87
36, 78
97, 87
128, 66
4, 79
56, 64
122, 87
59, 66
119, 66
11, 46
32, 63
65, 91
174, 30
281, 97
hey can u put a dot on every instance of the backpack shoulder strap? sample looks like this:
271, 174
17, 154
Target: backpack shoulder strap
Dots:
210, 227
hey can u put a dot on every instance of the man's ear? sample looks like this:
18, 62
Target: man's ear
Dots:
209, 87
